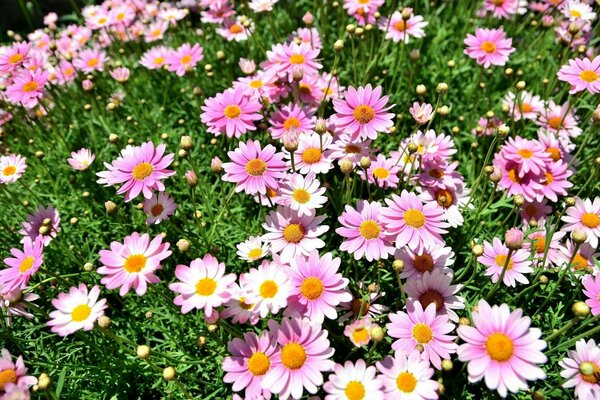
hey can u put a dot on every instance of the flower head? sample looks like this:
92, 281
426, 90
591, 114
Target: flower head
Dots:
76, 309
82, 159
407, 376
230, 112
22, 265
489, 47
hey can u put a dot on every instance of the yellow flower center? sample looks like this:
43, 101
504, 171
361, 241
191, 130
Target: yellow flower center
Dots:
293, 233
381, 173
555, 122
256, 167
576, 13
30, 86
549, 179
501, 261
92, 62
206, 287
142, 171
101, 21
311, 155
423, 263
186, 59
526, 107
312, 288
355, 390
268, 289
232, 111
9, 170
135, 263
432, 296
590, 220
255, 253
554, 153
488, 47
369, 229
244, 305
364, 114
401, 25
579, 262
258, 364
513, 176
291, 122
305, 88
236, 28
301, 196
156, 210
120, 16
589, 76
159, 60
361, 335
297, 59
7, 376
539, 244
406, 382
15, 58
499, 347
422, 333
414, 218
525, 153
593, 378
26, 264
81, 312
293, 355
256, 84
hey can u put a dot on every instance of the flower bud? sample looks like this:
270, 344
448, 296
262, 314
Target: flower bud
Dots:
248, 67
350, 28
182, 153
570, 201
169, 374
113, 138
377, 333
88, 267
359, 31
518, 200
104, 322
201, 341
451, 64
338, 45
308, 19
442, 88
488, 170
579, 235
413, 147
464, 321
143, 352
587, 369
447, 365
398, 265
87, 85
477, 250
44, 230
111, 207
297, 73
290, 140
406, 13
216, 165
596, 115
191, 178
346, 166
443, 111
503, 130
212, 328
186, 143
537, 395
543, 279
220, 54
580, 309
421, 90
43, 381
414, 55
513, 238
321, 126
365, 162
520, 85
183, 245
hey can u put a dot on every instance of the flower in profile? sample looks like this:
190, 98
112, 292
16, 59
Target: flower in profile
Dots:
505, 8
581, 74
27, 88
435, 287
591, 288
132, 264
398, 29
422, 113
362, 113
249, 360
231, 113
407, 376
184, 58
14, 303
267, 288
203, 285
253, 249
90, 60
254, 169
76, 309
159, 207
353, 381
138, 169
82, 159
234, 29
489, 47
495, 257
584, 215
303, 353
303, 194
501, 347
581, 369
13, 374
22, 265
12, 167
358, 331
45, 222
120, 74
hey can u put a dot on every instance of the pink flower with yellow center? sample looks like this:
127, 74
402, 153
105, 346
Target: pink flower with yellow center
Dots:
489, 47
291, 116
81, 159
184, 58
582, 74
22, 265
76, 309
581, 369
313, 154
382, 172
90, 60
359, 331
407, 376
495, 257
13, 374
155, 58
398, 29
159, 207
591, 288
27, 88
285, 58
230, 112
267, 288
14, 56
584, 215
12, 168
353, 382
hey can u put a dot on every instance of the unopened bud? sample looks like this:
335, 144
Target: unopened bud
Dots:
579, 235
104, 322
477, 250
346, 166
88, 267
191, 178
537, 395
365, 162
377, 333
113, 138
464, 321
513, 238
442, 88
421, 90
406, 13
443, 111
169, 374
580, 309
43, 381
111, 207
398, 265
596, 115
321, 126
447, 365
186, 143
183, 245
143, 352
338, 45
520, 85
518, 200
503, 130
570, 201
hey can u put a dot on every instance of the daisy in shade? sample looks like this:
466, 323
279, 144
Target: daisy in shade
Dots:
184, 58
451, 201
302, 354
363, 10
159, 207
267, 287
399, 29
363, 308
138, 169
407, 377
253, 249
535, 210
584, 215
560, 120
422, 329
313, 154
13, 374
44, 223
358, 331
489, 47
132, 264
14, 56
582, 74
14, 303
90, 60
581, 369
291, 234
317, 288
525, 106
76, 309
12, 167
530, 155
421, 113
22, 265
254, 169
364, 232
412, 222
555, 180
239, 308
81, 159
488, 126
287, 57
155, 58
591, 288
362, 113
303, 194
27, 88
383, 172
353, 150
501, 347
495, 257
249, 361
584, 259
431, 256
353, 381
291, 116
536, 245
434, 287
231, 113
440, 175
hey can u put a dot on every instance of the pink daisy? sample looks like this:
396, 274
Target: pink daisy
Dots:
363, 10
14, 303
231, 113
584, 215
353, 381
27, 88
582, 74
253, 249
502, 348
303, 194
383, 172
536, 245
523, 105
302, 354
184, 58
451, 201
82, 159
317, 287
581, 369
254, 169
407, 376
12, 167
14, 56
530, 155
555, 182
560, 120
90, 60
358, 331
138, 169
76, 309
431, 257
202, 285
120, 74
292, 235
14, 374
22, 265
528, 185
363, 113
399, 29
159, 207
155, 58
583, 260
435, 287
238, 307
291, 116
234, 29
45, 223
365, 235
285, 58
133, 263
505, 8
313, 154
489, 47
591, 288
494, 257
351, 149
267, 288
422, 113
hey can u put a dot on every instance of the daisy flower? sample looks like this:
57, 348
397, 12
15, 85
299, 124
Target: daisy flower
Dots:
284, 58
120, 74
313, 154
527, 185
13, 374
358, 331
451, 201
303, 194
421, 113
435, 287
577, 10
22, 265
581, 369
155, 58
559, 120
184, 58
555, 182
254, 169
363, 10
202, 285
412, 222
132, 264
292, 234
267, 287
399, 29
317, 288
536, 245
159, 207
353, 381
291, 116
364, 308
259, 6
14, 303
76, 309
495, 257
583, 260
383, 172
253, 249
362, 113
407, 376
14, 56
530, 155
302, 354
90, 60
249, 361
12, 167
155, 31
138, 169
489, 47
581, 74
584, 215
231, 113
505, 8
81, 159
239, 308
422, 329
234, 29
501, 347
44, 223
364, 232
591, 288
431, 256
27, 88
525, 106
353, 150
